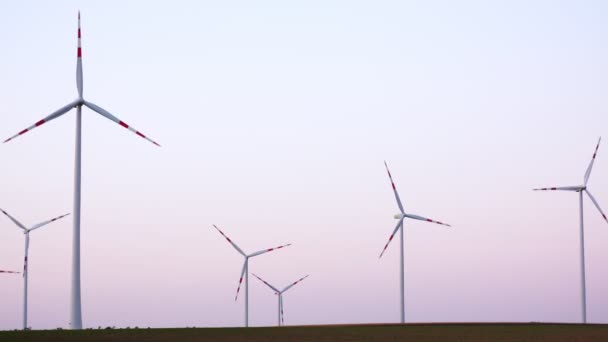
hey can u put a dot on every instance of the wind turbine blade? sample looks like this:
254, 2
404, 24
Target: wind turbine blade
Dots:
282, 314
416, 217
267, 284
79, 62
41, 224
52, 116
295, 282
14, 220
268, 250
596, 204
232, 243
392, 235
394, 188
1, 271
564, 188
107, 114
588, 172
240, 280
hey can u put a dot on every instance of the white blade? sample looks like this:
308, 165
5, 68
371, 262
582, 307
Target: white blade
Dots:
394, 189
79, 62
2, 271
563, 188
27, 247
392, 235
588, 172
282, 315
52, 116
240, 280
107, 114
232, 243
267, 284
268, 250
416, 217
14, 220
295, 282
42, 224
596, 205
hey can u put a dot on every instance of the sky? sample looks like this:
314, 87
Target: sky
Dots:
274, 119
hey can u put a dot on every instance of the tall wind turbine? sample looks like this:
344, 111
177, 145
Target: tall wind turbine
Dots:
75, 307
245, 271
279, 293
26, 232
580, 189
401, 216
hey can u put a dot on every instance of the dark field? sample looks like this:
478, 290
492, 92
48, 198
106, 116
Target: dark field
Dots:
410, 332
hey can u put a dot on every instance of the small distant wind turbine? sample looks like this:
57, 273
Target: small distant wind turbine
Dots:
75, 298
279, 293
580, 189
26, 232
245, 271
401, 216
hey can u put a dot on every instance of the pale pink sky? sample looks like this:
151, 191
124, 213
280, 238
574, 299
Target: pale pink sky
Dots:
275, 120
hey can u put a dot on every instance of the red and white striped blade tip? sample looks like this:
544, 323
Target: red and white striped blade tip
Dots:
238, 289
123, 124
437, 222
283, 246
224, 235
386, 246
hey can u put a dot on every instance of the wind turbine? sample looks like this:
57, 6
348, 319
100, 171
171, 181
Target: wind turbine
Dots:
580, 189
245, 271
401, 216
75, 307
26, 232
281, 318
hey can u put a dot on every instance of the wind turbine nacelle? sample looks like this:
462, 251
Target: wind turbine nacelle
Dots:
398, 216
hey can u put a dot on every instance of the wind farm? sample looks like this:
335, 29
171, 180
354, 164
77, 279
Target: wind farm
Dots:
245, 270
275, 119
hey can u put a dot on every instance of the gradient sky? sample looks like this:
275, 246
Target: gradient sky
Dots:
275, 118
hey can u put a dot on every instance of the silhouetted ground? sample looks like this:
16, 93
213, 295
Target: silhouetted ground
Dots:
410, 332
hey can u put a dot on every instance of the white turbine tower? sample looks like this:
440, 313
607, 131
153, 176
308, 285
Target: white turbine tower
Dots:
26, 232
279, 293
75, 307
245, 271
401, 216
580, 189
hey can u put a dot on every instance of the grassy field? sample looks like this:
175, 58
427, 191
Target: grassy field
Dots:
410, 332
